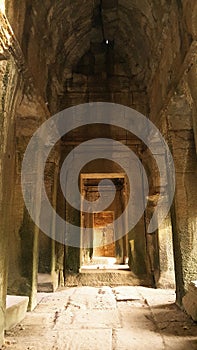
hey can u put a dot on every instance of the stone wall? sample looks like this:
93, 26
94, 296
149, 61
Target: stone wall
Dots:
172, 96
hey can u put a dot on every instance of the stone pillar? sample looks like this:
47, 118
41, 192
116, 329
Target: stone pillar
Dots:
192, 82
87, 221
8, 99
159, 243
138, 240
166, 258
59, 246
72, 254
124, 196
6, 225
3, 200
47, 245
184, 210
23, 267
29, 231
29, 234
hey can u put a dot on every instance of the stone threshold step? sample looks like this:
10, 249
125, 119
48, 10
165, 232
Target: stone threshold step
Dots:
103, 278
47, 282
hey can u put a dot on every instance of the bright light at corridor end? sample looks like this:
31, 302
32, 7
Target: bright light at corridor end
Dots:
2, 6
50, 132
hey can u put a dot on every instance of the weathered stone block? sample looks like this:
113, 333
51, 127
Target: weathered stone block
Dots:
180, 122
190, 300
16, 307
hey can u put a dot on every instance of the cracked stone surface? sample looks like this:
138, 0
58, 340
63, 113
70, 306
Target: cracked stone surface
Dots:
123, 317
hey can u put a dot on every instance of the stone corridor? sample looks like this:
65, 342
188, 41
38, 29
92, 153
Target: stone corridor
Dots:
90, 58
105, 318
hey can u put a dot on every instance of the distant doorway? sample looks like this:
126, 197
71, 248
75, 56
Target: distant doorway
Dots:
103, 234
101, 248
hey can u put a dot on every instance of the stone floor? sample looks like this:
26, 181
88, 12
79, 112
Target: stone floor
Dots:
105, 318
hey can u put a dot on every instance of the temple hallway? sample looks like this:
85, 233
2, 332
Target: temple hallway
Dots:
119, 318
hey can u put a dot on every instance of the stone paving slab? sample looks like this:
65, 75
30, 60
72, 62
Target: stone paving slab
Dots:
33, 318
94, 298
169, 314
31, 344
137, 339
156, 296
88, 319
34, 338
38, 319
126, 293
132, 320
84, 339
180, 343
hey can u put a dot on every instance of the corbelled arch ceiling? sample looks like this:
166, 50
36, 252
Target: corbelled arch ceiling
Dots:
55, 35
130, 25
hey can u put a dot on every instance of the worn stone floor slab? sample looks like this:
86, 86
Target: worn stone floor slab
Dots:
94, 298
98, 319
180, 343
126, 293
137, 338
105, 318
84, 339
135, 319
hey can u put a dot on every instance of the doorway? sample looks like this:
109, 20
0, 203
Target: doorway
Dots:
102, 249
